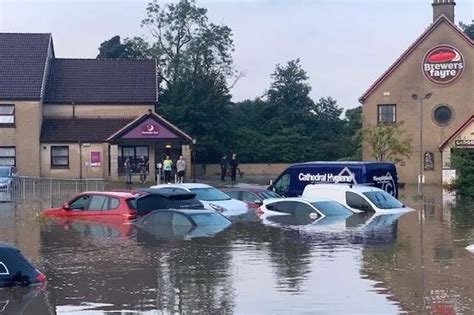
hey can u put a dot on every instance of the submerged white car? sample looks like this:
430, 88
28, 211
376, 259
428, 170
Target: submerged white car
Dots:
212, 198
358, 198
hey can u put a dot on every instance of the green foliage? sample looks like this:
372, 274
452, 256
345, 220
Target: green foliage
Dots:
187, 43
131, 48
387, 142
463, 162
468, 29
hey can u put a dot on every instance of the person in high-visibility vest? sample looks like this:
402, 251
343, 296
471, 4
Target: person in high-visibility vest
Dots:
167, 166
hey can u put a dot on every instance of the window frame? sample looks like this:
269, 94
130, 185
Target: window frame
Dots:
135, 159
380, 114
9, 124
53, 166
6, 156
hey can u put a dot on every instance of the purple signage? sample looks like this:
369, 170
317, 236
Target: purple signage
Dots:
95, 158
150, 129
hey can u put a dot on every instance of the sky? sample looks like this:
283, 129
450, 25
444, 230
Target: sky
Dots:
344, 45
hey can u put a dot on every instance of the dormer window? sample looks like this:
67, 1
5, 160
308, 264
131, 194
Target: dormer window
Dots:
7, 115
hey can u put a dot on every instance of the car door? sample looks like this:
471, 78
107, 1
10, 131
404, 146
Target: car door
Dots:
78, 206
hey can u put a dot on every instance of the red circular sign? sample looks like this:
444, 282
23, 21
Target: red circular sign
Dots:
443, 65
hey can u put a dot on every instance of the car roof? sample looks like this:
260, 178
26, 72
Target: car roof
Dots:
345, 187
119, 194
186, 185
186, 211
298, 199
170, 192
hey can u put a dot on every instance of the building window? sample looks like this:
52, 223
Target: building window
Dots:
442, 115
59, 157
134, 153
387, 114
7, 156
7, 115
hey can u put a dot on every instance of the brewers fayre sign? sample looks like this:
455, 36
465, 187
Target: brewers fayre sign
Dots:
443, 65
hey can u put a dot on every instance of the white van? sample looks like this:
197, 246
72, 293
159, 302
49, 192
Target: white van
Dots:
358, 198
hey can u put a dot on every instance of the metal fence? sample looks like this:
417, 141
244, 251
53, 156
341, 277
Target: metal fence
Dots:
33, 188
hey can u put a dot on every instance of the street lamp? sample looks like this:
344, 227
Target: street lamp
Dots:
194, 160
420, 174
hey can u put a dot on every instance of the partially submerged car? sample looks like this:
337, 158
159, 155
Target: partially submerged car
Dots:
182, 224
359, 198
16, 270
253, 196
314, 208
99, 205
212, 198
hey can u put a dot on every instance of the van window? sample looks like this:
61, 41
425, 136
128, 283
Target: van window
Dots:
355, 201
283, 184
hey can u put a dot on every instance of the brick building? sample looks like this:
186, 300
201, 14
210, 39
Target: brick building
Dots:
430, 89
79, 118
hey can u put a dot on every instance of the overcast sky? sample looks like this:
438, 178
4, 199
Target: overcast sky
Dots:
343, 45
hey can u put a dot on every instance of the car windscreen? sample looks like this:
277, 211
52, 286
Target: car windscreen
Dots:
202, 219
210, 194
331, 208
268, 194
4, 172
383, 200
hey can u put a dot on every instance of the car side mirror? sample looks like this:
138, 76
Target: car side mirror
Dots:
258, 202
66, 206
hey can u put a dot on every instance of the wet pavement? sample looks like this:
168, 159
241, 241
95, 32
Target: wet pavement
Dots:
414, 263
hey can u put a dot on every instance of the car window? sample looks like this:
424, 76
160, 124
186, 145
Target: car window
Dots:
209, 219
210, 194
181, 220
355, 201
383, 200
159, 218
286, 206
79, 203
283, 184
332, 208
113, 203
234, 194
268, 194
98, 203
249, 197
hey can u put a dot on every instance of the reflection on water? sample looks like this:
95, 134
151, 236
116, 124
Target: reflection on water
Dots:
365, 264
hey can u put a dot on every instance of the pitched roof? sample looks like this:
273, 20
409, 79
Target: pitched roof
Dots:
104, 81
132, 124
410, 49
81, 129
457, 132
23, 59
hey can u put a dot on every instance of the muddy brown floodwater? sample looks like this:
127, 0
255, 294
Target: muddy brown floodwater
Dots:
415, 263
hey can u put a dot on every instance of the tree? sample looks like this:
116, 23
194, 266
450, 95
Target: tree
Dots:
463, 162
387, 142
187, 43
131, 48
468, 29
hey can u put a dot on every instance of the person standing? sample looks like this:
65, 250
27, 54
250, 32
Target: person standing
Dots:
233, 167
167, 167
223, 167
143, 166
128, 171
181, 169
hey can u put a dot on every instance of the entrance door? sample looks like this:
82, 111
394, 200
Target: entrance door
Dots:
173, 151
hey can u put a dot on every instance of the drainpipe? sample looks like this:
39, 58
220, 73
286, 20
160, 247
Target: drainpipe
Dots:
80, 160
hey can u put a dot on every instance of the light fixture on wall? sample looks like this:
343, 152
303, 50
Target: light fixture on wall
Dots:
168, 146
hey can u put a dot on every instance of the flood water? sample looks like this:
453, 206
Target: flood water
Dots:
415, 263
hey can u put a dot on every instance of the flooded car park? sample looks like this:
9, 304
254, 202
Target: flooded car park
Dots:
415, 262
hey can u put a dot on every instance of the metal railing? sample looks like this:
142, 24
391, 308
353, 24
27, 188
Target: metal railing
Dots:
33, 188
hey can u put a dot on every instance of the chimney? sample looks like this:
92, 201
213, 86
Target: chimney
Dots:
445, 7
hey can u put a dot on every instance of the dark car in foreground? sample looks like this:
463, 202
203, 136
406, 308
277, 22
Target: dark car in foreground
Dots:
253, 196
16, 270
182, 223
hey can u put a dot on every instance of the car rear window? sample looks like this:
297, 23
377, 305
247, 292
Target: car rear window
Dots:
202, 219
210, 194
383, 200
331, 208
268, 194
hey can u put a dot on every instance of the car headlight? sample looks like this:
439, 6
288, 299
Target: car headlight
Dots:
217, 208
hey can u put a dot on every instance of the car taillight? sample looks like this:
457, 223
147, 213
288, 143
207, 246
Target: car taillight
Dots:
259, 211
40, 277
129, 216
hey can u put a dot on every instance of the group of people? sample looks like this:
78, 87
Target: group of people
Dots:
168, 169
143, 168
233, 164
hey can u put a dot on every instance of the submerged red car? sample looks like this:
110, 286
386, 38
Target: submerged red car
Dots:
98, 204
